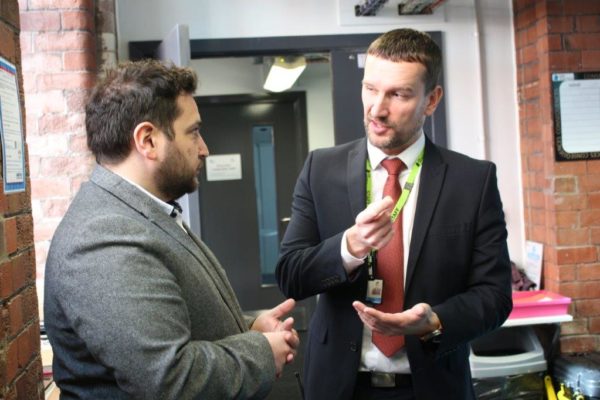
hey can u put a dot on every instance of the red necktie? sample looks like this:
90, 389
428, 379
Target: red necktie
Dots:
390, 263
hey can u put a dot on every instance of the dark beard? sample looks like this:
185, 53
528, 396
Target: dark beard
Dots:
172, 179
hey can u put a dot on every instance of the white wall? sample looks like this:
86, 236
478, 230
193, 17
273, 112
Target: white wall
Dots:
479, 66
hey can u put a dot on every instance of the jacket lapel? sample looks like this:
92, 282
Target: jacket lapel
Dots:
356, 177
217, 273
430, 186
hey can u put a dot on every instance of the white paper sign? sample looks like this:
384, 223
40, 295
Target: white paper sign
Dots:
224, 167
580, 120
11, 130
533, 262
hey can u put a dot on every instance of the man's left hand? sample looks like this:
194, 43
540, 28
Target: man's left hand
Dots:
419, 320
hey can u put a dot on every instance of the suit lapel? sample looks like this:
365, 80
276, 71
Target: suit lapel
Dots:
430, 186
217, 273
205, 258
148, 208
356, 177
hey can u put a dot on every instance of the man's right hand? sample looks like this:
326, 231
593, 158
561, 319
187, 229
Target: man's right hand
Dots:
284, 345
372, 229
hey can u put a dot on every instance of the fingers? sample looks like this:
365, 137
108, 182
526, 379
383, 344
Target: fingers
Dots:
373, 228
414, 321
293, 340
375, 210
284, 345
368, 311
358, 306
286, 325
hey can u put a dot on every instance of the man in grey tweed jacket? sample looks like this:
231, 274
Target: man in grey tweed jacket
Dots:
136, 306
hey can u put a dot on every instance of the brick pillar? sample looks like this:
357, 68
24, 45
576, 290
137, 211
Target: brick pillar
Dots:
561, 199
20, 362
58, 40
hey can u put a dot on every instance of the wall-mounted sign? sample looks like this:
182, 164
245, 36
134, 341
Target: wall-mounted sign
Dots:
11, 130
224, 167
576, 98
534, 255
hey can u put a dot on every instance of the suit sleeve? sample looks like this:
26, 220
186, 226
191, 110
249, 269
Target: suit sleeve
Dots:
129, 312
311, 262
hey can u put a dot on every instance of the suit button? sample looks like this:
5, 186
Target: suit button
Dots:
353, 346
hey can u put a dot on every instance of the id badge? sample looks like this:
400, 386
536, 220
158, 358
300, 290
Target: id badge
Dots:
374, 291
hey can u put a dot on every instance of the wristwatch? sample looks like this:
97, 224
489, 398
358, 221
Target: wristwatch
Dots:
433, 337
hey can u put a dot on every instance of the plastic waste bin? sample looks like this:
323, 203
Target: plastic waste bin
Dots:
508, 364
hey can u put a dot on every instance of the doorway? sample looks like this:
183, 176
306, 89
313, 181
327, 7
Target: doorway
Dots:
258, 144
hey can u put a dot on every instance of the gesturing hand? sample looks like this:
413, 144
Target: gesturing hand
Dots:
372, 228
418, 320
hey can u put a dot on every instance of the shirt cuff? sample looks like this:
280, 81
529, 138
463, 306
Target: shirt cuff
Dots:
349, 261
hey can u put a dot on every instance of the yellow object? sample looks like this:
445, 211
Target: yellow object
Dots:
562, 393
551, 395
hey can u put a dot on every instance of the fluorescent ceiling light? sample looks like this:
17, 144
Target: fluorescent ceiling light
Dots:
283, 73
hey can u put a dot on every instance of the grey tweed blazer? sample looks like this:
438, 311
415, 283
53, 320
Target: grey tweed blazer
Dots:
137, 308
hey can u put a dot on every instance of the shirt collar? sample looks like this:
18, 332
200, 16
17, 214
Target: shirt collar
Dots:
166, 207
408, 156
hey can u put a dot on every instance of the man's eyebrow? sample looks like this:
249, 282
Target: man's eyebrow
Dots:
195, 125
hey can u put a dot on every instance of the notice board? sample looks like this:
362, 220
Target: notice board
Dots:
576, 99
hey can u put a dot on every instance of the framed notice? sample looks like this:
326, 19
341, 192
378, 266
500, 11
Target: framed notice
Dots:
576, 98
224, 167
11, 130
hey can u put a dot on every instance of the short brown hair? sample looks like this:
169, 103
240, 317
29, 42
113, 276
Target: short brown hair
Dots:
411, 46
132, 93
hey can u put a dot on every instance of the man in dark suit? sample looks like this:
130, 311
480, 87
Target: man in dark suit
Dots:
136, 306
437, 253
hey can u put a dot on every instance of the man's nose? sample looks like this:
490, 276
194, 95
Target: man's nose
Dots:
202, 148
379, 106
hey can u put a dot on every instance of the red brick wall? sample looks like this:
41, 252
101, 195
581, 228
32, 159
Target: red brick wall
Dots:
20, 362
58, 40
561, 199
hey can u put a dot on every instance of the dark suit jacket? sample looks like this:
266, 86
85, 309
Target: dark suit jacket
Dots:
458, 263
137, 308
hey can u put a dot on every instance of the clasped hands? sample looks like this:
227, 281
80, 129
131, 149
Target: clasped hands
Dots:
281, 335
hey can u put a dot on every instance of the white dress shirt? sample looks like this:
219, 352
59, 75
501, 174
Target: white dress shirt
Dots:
371, 358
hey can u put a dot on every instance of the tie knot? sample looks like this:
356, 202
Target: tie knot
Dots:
176, 208
393, 166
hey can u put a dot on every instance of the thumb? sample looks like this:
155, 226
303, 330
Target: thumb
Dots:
283, 308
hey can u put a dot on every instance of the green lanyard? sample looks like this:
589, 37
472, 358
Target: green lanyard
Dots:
410, 182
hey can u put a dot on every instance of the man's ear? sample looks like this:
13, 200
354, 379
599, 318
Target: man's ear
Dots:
433, 99
145, 137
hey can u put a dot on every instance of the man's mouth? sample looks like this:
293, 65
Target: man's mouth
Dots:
377, 126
